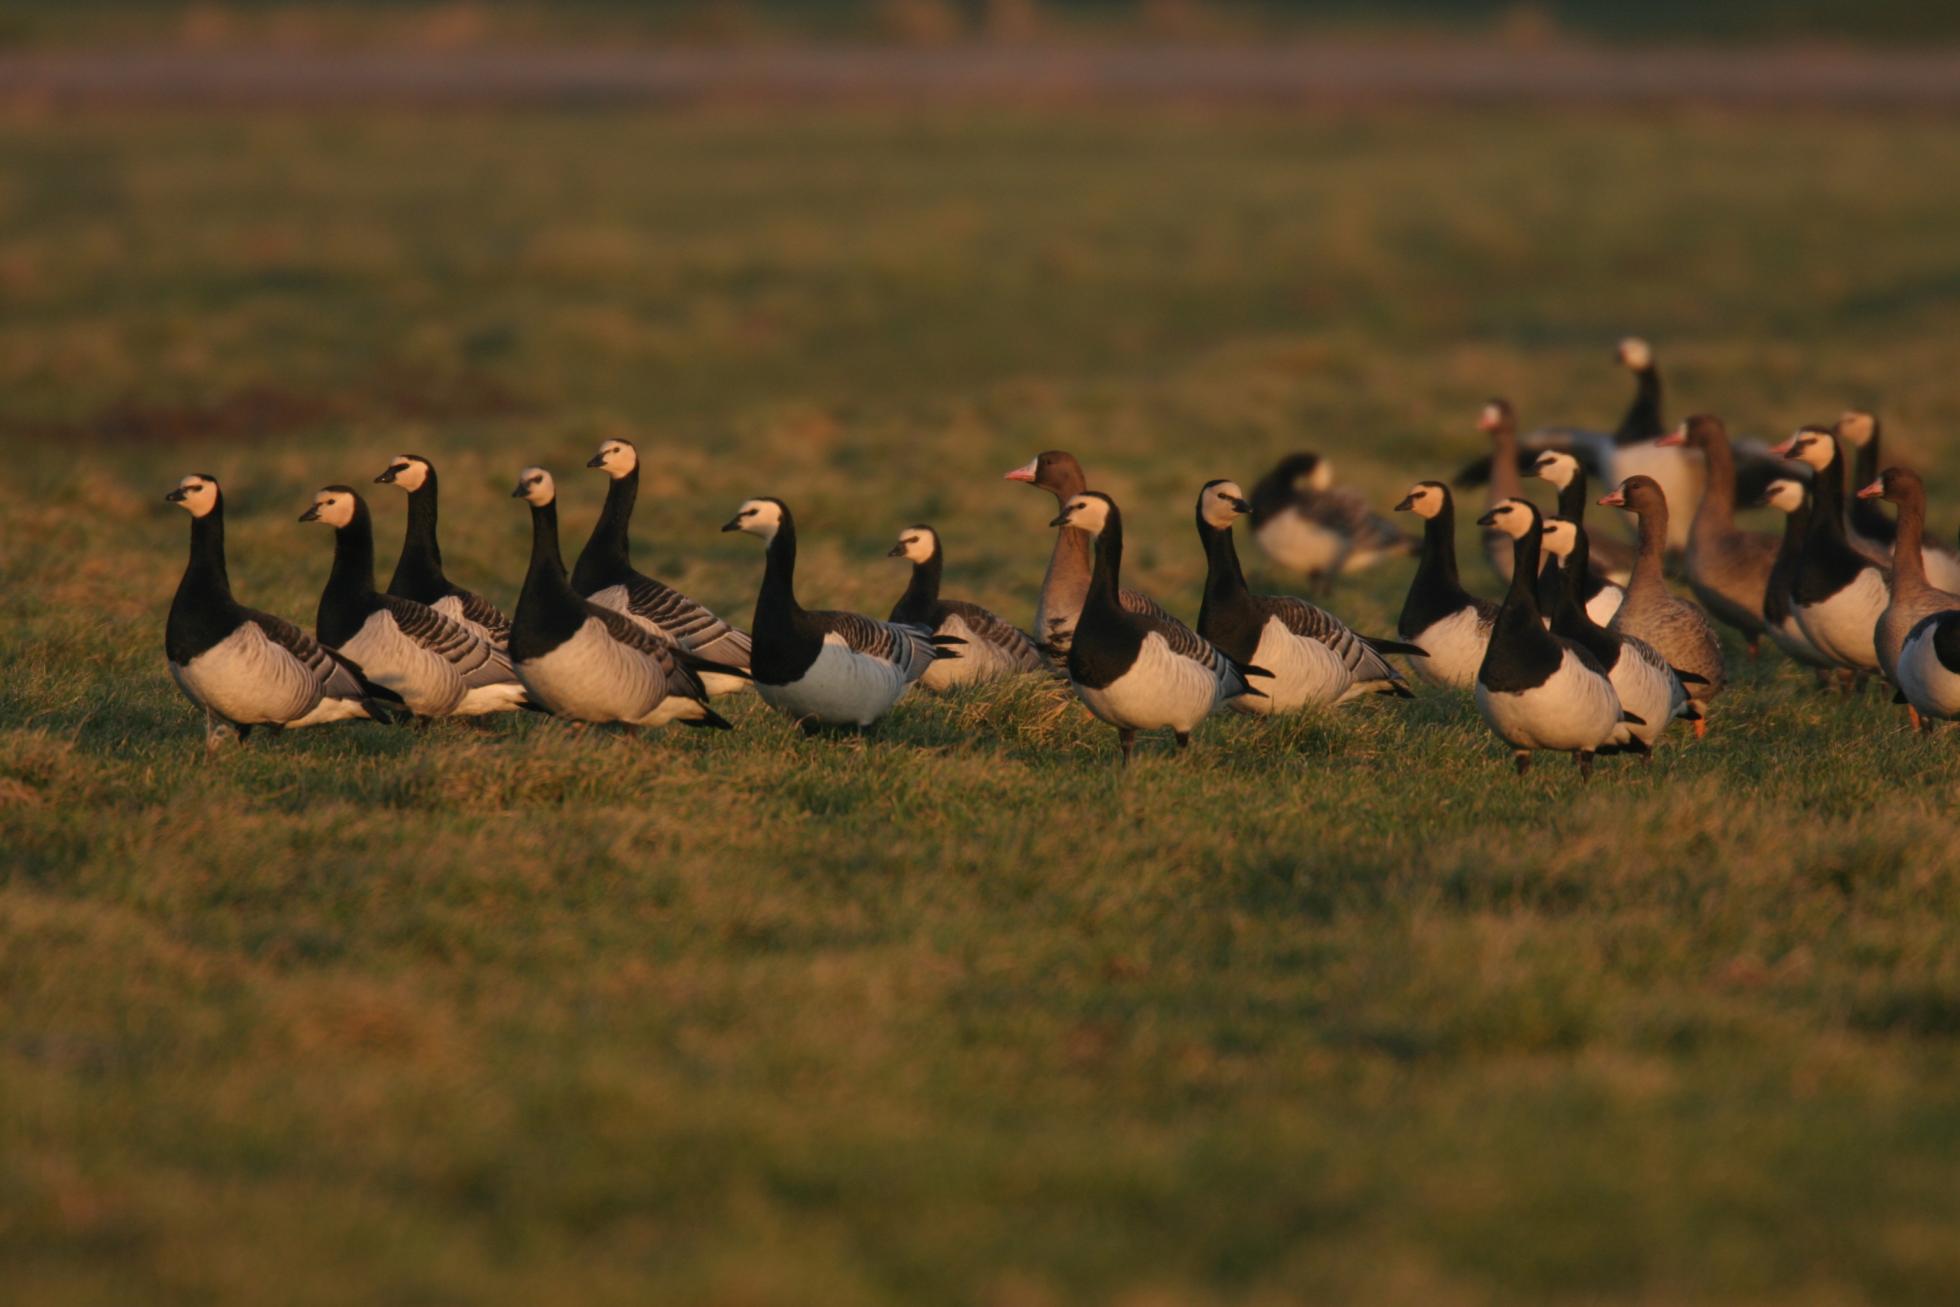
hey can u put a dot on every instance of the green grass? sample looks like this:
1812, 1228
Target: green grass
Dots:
1331, 1011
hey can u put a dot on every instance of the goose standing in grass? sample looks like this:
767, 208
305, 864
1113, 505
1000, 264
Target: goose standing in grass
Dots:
245, 668
1499, 422
587, 662
1312, 656
1913, 597
604, 574
822, 668
1066, 585
1648, 688
989, 648
1449, 624
1871, 531
439, 667
418, 570
1537, 690
1728, 569
1679, 630
1603, 587
1305, 523
1837, 593
1136, 671
1791, 497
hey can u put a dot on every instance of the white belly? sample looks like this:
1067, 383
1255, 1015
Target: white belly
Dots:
1302, 545
1942, 569
1927, 683
429, 684
1162, 689
841, 688
593, 678
1305, 673
1680, 474
1649, 692
249, 679
1575, 710
1603, 605
1455, 646
1788, 636
1844, 627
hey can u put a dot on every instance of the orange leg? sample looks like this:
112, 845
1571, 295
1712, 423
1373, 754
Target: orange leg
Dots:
1701, 728
1913, 713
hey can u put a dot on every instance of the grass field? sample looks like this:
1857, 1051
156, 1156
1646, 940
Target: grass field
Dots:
1330, 1011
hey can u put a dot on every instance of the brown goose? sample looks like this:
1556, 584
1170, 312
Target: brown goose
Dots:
1913, 597
1499, 421
1728, 569
1870, 530
1677, 628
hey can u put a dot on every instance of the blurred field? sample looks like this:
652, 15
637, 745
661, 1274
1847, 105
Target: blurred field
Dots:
1331, 1012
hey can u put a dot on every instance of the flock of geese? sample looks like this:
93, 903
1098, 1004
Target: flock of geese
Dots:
1589, 651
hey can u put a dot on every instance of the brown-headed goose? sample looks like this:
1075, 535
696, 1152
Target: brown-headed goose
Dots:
1305, 523
1790, 496
418, 569
1679, 630
604, 573
990, 649
439, 667
1066, 585
1136, 671
1537, 690
1648, 688
1837, 592
242, 667
1728, 569
586, 662
1871, 531
1604, 585
1312, 656
1913, 597
1449, 624
823, 669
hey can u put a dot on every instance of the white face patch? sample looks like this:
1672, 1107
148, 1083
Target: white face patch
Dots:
334, 507
760, 517
1812, 448
1086, 513
1320, 478
1784, 494
535, 486
1557, 468
410, 472
916, 543
196, 494
1491, 418
1636, 353
617, 458
1560, 538
1424, 501
1856, 426
1221, 503
1512, 517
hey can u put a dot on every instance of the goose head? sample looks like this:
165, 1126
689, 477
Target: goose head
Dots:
535, 487
916, 544
409, 471
617, 457
1696, 432
1897, 484
1426, 499
1557, 467
1785, 494
1053, 470
1495, 416
1220, 503
1856, 427
334, 505
1088, 511
1514, 517
1812, 445
759, 517
1635, 354
196, 493
1560, 536
1636, 495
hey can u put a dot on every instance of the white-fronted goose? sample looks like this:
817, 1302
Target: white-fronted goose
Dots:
1306, 524
604, 573
1604, 585
1870, 530
1790, 496
1537, 690
1066, 585
1449, 624
1678, 629
1136, 671
242, 667
439, 667
418, 571
1728, 569
1913, 597
590, 663
1312, 656
990, 649
1837, 592
824, 668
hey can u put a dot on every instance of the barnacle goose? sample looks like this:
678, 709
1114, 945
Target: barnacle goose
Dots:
990, 648
1066, 584
1728, 569
1870, 529
418, 571
588, 662
1136, 671
245, 668
825, 668
1790, 496
1836, 592
604, 574
1648, 688
1677, 628
439, 667
1449, 624
1313, 657
1537, 690
1604, 586
1305, 523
